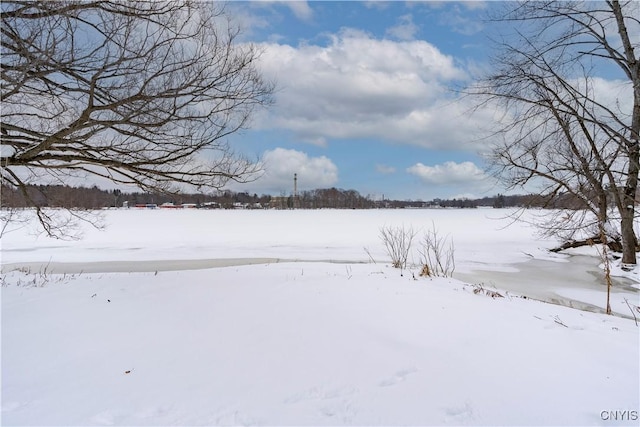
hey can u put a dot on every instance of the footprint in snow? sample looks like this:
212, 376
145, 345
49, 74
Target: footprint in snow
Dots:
236, 417
398, 377
104, 418
320, 393
11, 406
341, 410
460, 415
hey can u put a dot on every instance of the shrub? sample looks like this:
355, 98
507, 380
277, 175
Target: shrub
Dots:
437, 254
398, 241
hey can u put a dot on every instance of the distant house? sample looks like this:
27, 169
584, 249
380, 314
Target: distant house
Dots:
169, 205
210, 205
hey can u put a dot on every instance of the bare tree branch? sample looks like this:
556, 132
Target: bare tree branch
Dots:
141, 93
560, 131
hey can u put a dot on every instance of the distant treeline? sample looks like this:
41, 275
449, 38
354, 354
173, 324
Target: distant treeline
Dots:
96, 198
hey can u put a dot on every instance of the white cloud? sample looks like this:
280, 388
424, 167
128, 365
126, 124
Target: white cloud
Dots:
361, 87
385, 170
280, 164
475, 4
243, 14
614, 94
460, 22
449, 173
376, 4
405, 29
300, 9
454, 180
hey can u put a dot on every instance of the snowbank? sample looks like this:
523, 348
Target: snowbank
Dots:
304, 343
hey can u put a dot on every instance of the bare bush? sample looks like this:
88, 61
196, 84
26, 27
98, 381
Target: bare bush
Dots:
479, 289
398, 242
28, 278
436, 254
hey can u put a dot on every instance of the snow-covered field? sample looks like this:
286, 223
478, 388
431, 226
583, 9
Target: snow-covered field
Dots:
142, 324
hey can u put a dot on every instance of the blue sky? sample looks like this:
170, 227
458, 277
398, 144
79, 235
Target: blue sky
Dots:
363, 97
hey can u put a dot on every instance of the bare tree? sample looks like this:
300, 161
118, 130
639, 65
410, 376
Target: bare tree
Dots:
141, 93
566, 127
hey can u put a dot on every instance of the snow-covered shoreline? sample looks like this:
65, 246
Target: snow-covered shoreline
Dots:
298, 343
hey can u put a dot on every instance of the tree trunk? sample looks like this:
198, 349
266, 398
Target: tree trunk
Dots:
629, 240
612, 244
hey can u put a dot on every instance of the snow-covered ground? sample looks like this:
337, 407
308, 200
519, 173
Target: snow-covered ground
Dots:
142, 324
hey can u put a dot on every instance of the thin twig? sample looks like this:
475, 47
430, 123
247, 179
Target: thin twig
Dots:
559, 322
632, 313
369, 253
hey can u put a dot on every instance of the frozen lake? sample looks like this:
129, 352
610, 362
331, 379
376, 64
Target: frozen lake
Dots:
482, 237
489, 248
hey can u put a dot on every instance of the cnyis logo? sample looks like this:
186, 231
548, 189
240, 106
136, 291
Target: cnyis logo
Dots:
619, 415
